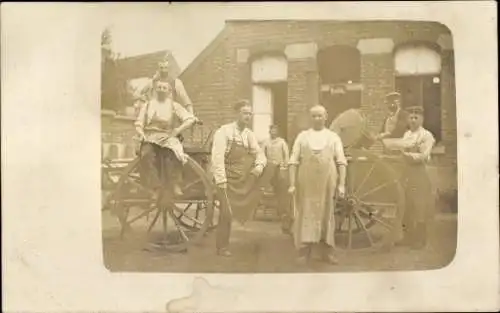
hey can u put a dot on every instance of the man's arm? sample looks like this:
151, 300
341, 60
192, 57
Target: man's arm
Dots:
218, 156
260, 157
286, 153
341, 160
294, 161
383, 131
182, 94
425, 149
187, 118
140, 120
145, 91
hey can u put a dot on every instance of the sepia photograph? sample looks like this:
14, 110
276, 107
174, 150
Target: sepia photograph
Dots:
250, 157
282, 146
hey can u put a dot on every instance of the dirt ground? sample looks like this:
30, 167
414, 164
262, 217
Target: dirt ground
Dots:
261, 247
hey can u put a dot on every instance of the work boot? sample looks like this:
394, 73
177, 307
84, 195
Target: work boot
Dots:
286, 225
329, 255
178, 191
304, 254
419, 241
224, 252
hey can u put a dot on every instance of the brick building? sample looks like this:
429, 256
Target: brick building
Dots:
284, 67
118, 127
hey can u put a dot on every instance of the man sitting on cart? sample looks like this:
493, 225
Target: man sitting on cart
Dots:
237, 166
179, 93
159, 123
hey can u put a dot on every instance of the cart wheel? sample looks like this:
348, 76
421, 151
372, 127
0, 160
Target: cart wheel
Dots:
189, 215
136, 211
368, 217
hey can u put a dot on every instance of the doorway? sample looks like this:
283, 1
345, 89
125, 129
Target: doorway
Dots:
270, 102
340, 79
423, 91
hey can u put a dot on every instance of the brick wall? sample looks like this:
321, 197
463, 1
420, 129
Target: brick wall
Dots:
222, 76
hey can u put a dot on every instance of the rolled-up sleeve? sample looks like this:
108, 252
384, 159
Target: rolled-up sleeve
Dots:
145, 92
218, 156
260, 156
340, 158
296, 150
141, 116
425, 149
182, 94
182, 113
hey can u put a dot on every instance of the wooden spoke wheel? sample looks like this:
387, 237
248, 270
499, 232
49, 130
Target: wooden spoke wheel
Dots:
184, 218
368, 215
191, 212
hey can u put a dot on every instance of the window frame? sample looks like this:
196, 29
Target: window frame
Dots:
421, 76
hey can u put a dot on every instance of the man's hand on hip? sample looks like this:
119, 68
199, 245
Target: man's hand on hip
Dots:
222, 185
257, 170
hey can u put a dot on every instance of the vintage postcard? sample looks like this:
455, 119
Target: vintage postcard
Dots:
345, 147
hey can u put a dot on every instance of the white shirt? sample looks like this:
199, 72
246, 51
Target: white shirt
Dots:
318, 140
223, 138
420, 144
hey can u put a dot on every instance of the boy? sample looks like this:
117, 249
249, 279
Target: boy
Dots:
277, 155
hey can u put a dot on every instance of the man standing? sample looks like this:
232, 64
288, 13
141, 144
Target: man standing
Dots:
179, 93
395, 124
317, 176
417, 144
237, 164
277, 154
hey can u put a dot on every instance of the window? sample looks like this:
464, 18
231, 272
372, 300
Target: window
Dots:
113, 152
418, 79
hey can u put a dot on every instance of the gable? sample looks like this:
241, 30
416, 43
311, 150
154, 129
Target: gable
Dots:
146, 65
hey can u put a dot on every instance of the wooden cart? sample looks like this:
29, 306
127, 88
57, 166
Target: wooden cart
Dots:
368, 217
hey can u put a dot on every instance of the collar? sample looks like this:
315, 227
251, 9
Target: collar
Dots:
418, 130
235, 126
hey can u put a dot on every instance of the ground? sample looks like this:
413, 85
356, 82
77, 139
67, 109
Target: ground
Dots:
261, 247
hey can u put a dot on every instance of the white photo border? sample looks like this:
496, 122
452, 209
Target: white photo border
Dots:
51, 218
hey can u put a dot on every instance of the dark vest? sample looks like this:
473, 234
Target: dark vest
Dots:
401, 125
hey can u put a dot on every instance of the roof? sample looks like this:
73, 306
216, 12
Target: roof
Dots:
145, 65
205, 53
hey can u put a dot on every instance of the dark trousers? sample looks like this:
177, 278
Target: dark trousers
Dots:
159, 167
418, 212
280, 188
279, 182
223, 232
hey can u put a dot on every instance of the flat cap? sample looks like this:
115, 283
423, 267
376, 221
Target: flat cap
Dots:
241, 103
393, 94
415, 110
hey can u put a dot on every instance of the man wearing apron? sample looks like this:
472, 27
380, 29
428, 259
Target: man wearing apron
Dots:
418, 212
237, 166
317, 176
